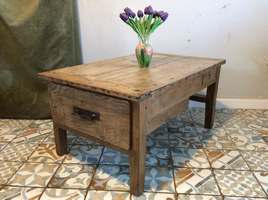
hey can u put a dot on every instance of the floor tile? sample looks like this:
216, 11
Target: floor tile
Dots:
195, 181
215, 139
175, 125
2, 145
14, 123
30, 136
157, 156
263, 132
20, 193
44, 126
243, 198
111, 157
7, 170
188, 128
237, 118
256, 160
113, 195
9, 128
199, 197
248, 140
17, 151
46, 153
63, 194
263, 121
154, 196
244, 130
160, 134
238, 183
256, 127
262, 177
111, 178
193, 158
49, 139
185, 140
156, 143
84, 154
226, 159
159, 180
265, 139
84, 141
185, 116
198, 116
71, 137
238, 140
253, 113
72, 176
224, 114
7, 134
33, 174
35, 132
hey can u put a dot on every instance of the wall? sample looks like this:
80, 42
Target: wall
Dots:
233, 29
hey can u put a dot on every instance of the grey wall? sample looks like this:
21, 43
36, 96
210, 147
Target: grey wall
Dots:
233, 29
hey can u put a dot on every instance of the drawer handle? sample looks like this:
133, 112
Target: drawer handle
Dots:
86, 114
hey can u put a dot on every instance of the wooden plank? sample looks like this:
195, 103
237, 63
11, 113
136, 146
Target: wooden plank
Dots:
199, 98
211, 97
121, 77
172, 95
114, 123
85, 135
60, 140
138, 148
165, 114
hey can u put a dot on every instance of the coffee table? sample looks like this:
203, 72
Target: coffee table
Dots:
116, 103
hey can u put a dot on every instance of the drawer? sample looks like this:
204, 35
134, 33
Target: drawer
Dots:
102, 117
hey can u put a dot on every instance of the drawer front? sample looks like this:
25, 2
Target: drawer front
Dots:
99, 116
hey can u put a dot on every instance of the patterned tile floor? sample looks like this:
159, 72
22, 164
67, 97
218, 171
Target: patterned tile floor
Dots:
184, 161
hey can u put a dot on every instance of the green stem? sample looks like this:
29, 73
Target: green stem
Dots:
135, 25
145, 26
155, 25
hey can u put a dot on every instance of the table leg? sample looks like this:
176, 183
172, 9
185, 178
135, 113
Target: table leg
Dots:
138, 149
60, 140
210, 101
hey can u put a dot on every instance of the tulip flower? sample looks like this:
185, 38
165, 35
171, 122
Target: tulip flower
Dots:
163, 16
149, 10
124, 17
129, 12
144, 23
140, 14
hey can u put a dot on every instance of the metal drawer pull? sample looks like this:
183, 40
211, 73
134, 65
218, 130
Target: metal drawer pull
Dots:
86, 114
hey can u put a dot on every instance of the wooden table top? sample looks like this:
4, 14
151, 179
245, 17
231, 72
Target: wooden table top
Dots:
122, 77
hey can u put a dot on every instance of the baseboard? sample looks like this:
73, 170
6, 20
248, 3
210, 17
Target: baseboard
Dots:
236, 103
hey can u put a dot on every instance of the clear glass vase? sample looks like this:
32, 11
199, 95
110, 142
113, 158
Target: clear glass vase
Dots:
144, 53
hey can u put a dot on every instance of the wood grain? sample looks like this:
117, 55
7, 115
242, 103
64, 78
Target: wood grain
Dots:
163, 115
138, 147
199, 98
211, 97
129, 102
121, 77
60, 139
114, 124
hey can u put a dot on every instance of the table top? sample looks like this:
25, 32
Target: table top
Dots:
122, 77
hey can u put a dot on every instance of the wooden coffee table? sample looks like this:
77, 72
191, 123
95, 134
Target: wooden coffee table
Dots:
118, 104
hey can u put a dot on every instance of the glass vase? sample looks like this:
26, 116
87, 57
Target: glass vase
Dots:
144, 53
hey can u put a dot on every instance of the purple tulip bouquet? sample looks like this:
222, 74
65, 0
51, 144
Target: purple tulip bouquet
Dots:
144, 24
